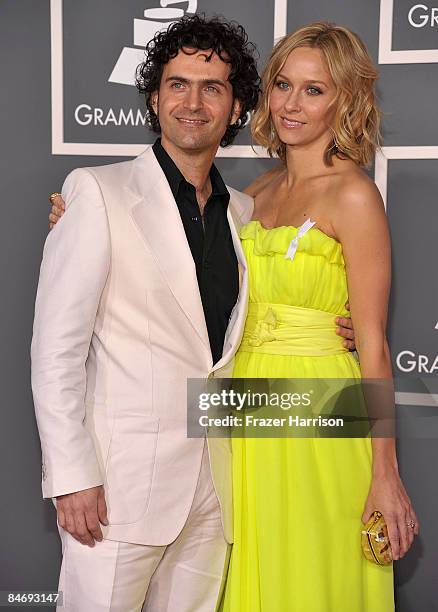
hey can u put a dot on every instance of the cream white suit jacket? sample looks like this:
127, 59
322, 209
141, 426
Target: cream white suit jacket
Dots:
119, 328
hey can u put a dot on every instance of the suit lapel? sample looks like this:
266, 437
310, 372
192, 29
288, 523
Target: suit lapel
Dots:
157, 217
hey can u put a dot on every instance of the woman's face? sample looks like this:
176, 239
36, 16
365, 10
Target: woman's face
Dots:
300, 99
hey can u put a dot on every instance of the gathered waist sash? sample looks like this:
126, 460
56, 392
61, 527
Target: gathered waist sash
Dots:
279, 329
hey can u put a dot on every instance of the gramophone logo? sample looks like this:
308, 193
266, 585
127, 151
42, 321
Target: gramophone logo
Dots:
156, 19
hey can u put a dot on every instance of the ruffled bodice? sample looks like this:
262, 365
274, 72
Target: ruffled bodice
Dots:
314, 277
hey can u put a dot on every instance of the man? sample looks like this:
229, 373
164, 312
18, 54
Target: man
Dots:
139, 290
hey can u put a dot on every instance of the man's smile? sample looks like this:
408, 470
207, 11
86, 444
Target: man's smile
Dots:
191, 122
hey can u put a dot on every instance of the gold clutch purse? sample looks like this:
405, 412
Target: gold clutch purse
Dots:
375, 542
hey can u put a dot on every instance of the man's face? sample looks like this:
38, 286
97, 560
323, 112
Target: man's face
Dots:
195, 101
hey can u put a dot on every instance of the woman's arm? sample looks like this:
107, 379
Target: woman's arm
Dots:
361, 225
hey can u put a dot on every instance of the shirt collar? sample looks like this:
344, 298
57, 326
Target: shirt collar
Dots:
175, 177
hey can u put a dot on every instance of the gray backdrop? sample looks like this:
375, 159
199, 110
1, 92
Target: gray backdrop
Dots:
41, 143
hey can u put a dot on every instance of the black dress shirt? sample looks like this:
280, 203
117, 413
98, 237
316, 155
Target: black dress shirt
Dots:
211, 245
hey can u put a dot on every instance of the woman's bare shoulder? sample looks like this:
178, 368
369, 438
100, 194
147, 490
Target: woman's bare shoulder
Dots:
357, 189
358, 206
262, 181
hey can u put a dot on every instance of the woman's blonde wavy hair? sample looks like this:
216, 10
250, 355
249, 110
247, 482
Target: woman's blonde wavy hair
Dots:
356, 126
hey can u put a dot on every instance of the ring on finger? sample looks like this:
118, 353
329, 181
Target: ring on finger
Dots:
53, 196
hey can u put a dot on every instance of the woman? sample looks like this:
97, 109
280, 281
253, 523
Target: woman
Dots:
300, 503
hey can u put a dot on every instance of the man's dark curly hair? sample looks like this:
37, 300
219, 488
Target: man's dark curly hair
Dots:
227, 39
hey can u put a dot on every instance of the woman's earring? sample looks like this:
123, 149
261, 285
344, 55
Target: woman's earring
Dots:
335, 144
273, 132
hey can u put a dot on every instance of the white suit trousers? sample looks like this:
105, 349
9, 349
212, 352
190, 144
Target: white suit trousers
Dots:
184, 576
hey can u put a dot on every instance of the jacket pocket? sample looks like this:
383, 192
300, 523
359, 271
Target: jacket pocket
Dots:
130, 466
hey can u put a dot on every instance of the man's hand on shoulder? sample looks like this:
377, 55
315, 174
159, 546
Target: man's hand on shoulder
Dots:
57, 210
80, 513
344, 328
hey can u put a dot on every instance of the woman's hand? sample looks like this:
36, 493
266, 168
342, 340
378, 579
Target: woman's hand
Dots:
57, 210
388, 495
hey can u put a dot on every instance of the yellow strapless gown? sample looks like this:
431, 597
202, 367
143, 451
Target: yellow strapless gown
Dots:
298, 502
